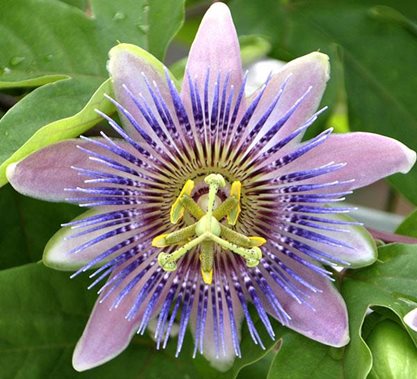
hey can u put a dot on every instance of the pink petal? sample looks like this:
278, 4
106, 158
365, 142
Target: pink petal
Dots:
215, 47
368, 157
324, 318
411, 319
328, 322
311, 70
46, 173
108, 332
135, 68
106, 335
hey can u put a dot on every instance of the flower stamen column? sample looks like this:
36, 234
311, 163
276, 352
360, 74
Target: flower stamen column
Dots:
208, 230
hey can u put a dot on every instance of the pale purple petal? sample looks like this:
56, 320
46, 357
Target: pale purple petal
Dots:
134, 69
305, 78
55, 172
46, 173
108, 331
320, 314
213, 76
411, 319
106, 335
367, 157
215, 48
141, 88
327, 322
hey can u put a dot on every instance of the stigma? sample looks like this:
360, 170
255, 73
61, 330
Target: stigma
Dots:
209, 230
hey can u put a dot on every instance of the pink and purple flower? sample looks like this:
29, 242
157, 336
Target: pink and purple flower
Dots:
210, 202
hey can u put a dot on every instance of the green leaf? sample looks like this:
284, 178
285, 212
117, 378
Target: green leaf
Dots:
389, 283
258, 369
300, 357
43, 315
77, 45
70, 59
31, 82
394, 354
40, 321
65, 49
164, 20
380, 83
82, 4
409, 226
26, 225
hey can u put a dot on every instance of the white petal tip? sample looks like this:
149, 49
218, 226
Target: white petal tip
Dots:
410, 319
222, 364
79, 366
79, 363
322, 59
410, 156
10, 170
344, 341
218, 9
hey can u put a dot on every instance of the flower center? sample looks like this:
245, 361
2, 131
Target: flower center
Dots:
208, 230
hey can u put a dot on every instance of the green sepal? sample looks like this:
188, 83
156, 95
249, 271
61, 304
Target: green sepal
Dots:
57, 256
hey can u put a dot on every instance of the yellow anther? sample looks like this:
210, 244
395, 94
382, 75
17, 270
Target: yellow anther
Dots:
177, 209
234, 213
207, 276
257, 241
236, 189
159, 241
